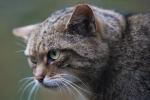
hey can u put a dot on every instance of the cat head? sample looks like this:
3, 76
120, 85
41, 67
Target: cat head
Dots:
66, 47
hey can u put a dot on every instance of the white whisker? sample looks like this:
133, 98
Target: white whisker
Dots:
19, 51
60, 91
68, 89
24, 84
36, 90
79, 80
74, 78
26, 87
30, 78
31, 92
82, 96
24, 81
78, 87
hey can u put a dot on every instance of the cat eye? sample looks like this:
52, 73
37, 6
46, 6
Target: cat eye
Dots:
53, 55
34, 61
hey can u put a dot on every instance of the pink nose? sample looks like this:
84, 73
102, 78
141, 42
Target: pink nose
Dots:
39, 73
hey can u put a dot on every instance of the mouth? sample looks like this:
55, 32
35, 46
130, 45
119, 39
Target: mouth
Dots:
57, 81
64, 82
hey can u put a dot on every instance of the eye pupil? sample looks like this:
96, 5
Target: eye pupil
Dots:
53, 53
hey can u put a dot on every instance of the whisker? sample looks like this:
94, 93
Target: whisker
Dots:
26, 87
25, 80
74, 89
31, 92
68, 89
36, 90
19, 51
59, 88
23, 85
30, 78
79, 80
75, 78
78, 87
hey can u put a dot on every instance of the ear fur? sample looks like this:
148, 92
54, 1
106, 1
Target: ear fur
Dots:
23, 32
82, 21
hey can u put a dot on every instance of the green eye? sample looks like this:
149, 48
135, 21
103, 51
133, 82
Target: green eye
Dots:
53, 55
33, 60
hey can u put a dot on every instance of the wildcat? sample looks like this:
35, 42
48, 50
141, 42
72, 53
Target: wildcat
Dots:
89, 51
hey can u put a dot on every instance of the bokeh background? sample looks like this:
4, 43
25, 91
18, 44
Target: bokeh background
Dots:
14, 13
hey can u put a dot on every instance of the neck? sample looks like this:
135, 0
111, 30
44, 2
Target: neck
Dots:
102, 85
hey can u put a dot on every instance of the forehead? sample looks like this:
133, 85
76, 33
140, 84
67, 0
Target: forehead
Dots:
48, 34
41, 44
42, 41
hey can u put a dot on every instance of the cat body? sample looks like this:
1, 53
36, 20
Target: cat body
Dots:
86, 44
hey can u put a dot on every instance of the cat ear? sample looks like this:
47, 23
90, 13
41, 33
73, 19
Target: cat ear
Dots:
82, 20
24, 32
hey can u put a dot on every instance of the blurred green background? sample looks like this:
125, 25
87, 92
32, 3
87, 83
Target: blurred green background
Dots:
14, 13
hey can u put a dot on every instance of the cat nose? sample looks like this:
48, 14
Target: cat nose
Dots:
39, 73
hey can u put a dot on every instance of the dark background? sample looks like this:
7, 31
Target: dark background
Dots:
14, 13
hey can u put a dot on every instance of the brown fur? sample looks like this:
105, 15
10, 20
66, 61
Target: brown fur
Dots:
83, 34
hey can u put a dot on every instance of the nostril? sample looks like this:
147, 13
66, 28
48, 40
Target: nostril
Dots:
40, 79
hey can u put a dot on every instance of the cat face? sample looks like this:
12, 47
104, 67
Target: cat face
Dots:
66, 48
